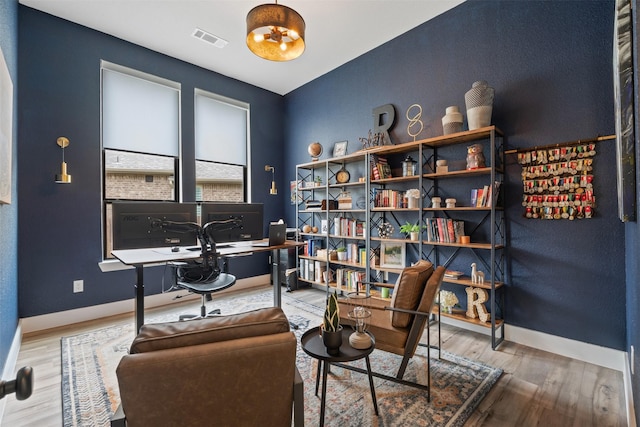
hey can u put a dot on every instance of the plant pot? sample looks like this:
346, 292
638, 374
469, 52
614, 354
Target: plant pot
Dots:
332, 341
342, 256
413, 202
414, 235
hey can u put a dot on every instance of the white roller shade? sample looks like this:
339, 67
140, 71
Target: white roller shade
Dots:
221, 129
139, 114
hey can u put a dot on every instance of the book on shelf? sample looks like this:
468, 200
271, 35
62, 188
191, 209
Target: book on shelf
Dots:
483, 197
444, 230
453, 274
479, 198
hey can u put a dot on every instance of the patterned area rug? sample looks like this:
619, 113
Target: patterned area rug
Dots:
90, 389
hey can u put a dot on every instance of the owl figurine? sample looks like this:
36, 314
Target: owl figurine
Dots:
475, 158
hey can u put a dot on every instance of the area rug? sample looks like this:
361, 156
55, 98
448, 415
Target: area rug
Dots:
90, 389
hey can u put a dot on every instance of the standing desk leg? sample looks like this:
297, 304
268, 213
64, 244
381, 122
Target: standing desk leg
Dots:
275, 277
139, 297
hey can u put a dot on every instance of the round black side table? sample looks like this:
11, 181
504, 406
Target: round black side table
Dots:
312, 345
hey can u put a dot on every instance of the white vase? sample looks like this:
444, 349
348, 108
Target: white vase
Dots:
413, 202
479, 103
342, 255
452, 120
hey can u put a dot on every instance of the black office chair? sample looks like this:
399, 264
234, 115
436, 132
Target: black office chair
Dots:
202, 276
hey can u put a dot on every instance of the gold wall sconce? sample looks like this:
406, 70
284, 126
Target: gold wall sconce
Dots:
63, 177
273, 191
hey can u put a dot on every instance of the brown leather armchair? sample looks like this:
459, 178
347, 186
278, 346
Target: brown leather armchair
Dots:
235, 370
398, 326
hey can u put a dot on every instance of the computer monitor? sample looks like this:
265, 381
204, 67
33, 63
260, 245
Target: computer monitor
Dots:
138, 224
246, 224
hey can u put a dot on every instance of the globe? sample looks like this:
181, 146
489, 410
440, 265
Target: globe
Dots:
315, 150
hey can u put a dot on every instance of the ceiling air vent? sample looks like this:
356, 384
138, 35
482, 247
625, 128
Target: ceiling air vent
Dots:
209, 38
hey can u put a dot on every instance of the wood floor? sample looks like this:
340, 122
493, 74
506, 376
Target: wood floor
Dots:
537, 388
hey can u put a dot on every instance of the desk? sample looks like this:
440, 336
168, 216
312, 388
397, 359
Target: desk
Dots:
138, 258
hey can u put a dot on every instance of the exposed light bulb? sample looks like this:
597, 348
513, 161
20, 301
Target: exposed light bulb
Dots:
293, 34
283, 46
258, 37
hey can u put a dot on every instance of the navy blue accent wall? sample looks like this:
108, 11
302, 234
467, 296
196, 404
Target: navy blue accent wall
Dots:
60, 230
9, 213
551, 66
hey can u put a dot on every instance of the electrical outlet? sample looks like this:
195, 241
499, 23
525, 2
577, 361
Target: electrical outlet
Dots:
78, 286
632, 357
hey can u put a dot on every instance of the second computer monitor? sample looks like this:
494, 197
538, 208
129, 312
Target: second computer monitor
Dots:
246, 221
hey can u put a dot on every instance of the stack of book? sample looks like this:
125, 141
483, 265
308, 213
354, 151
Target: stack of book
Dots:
452, 274
483, 197
380, 168
444, 230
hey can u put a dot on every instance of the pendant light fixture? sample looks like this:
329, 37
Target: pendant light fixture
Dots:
275, 32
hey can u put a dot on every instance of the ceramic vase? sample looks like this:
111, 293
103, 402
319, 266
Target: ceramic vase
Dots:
452, 120
332, 341
479, 103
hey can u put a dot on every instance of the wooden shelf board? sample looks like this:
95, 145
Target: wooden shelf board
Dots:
381, 209
438, 141
336, 236
463, 172
347, 263
466, 281
464, 318
462, 208
395, 179
346, 184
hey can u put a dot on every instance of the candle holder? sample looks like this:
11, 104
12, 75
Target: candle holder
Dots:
360, 316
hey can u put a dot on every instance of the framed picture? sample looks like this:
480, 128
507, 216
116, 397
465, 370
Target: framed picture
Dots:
392, 255
296, 197
6, 131
623, 92
340, 148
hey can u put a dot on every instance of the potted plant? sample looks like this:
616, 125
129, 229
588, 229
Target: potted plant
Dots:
331, 328
342, 253
413, 230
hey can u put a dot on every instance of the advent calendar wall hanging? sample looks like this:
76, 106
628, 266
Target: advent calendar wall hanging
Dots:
558, 182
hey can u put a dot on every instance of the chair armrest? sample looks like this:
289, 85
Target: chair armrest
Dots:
298, 399
118, 419
402, 310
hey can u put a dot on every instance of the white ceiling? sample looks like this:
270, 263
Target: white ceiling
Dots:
337, 31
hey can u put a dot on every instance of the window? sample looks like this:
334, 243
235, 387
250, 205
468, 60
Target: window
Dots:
140, 138
222, 143
141, 146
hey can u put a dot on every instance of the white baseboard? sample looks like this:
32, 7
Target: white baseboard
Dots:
590, 353
69, 317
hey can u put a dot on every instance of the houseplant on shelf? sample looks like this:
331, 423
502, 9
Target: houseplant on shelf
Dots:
331, 328
412, 230
342, 253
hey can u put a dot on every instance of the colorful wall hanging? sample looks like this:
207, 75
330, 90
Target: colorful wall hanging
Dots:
558, 182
